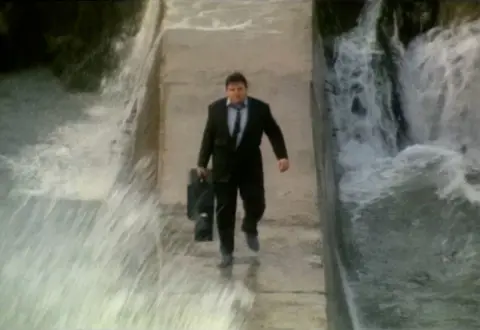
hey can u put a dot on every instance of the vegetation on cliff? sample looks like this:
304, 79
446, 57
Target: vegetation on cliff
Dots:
458, 11
73, 38
412, 17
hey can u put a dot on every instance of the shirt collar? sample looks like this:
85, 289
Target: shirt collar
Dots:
244, 102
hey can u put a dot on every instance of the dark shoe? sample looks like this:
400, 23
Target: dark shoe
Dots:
227, 258
227, 261
252, 242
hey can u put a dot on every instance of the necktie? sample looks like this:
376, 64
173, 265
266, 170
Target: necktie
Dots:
236, 127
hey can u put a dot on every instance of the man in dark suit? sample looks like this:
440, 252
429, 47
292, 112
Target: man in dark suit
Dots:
232, 136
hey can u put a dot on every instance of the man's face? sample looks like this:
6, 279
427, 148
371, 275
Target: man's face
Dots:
236, 92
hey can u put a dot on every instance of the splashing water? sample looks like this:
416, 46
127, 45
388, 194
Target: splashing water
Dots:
77, 249
444, 87
207, 15
409, 216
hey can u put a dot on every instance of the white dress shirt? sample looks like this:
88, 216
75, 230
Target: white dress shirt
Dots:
232, 115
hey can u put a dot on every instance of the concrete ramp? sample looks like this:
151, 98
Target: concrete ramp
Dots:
270, 41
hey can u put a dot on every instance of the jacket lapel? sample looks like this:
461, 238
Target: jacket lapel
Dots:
250, 120
223, 118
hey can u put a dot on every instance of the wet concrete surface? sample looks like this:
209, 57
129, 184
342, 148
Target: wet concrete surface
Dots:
287, 275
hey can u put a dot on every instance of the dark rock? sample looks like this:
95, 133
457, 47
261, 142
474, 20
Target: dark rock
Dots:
358, 108
335, 17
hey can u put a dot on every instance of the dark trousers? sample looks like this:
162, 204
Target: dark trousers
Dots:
252, 193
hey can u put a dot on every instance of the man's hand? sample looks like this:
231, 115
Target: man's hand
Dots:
283, 165
202, 173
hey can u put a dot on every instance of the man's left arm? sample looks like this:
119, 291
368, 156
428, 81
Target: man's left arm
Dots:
275, 135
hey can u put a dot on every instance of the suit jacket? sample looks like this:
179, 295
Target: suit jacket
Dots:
246, 159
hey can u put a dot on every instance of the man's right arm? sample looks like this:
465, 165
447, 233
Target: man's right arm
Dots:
206, 148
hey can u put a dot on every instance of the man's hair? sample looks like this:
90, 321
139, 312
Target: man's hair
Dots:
235, 78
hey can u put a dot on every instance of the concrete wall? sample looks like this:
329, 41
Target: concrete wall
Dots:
338, 314
143, 125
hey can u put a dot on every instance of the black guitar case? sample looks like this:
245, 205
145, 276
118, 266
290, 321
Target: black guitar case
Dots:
201, 205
